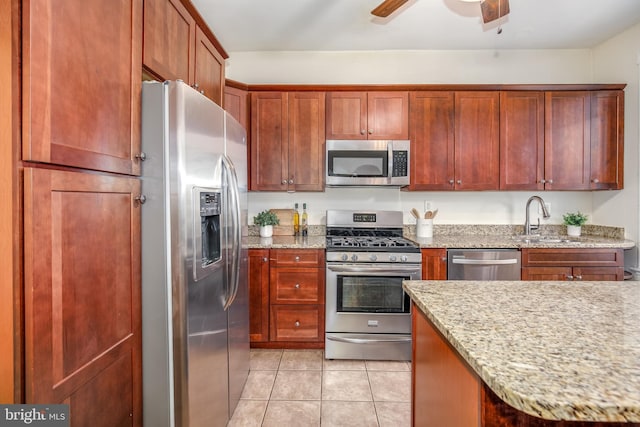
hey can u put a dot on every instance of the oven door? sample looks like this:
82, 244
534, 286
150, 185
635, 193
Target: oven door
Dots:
368, 298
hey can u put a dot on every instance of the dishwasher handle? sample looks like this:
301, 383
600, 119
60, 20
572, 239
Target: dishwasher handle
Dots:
484, 261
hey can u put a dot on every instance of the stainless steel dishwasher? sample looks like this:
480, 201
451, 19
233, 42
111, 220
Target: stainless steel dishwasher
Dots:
483, 264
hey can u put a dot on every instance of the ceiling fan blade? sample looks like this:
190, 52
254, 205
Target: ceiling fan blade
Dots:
387, 7
494, 9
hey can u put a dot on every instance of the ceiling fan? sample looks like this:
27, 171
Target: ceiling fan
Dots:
491, 9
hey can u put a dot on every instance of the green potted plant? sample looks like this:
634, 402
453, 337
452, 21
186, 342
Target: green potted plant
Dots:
574, 222
266, 220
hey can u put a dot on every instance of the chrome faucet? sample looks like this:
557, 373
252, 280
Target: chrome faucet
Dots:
545, 213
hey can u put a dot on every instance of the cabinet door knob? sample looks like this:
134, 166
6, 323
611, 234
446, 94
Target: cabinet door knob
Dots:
290, 181
595, 180
195, 86
569, 277
297, 286
265, 259
141, 199
142, 156
202, 91
297, 324
370, 131
550, 181
362, 132
542, 181
459, 181
451, 181
297, 259
578, 277
284, 182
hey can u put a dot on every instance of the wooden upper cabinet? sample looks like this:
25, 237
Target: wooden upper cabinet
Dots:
607, 140
521, 140
82, 295
567, 140
209, 68
477, 144
169, 39
175, 47
368, 115
269, 141
81, 100
235, 103
431, 131
306, 141
287, 141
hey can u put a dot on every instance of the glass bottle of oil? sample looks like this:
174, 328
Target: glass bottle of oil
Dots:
304, 224
296, 221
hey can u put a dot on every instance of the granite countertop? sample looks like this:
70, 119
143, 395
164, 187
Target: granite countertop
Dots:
511, 236
555, 350
511, 241
287, 242
464, 236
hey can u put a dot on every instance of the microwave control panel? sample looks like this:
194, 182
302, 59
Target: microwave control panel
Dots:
400, 163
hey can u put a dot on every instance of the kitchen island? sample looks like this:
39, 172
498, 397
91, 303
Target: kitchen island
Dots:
526, 353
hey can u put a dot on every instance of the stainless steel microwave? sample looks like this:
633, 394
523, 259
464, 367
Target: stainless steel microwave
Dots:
363, 163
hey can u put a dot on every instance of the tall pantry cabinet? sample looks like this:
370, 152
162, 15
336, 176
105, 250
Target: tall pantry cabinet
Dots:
81, 75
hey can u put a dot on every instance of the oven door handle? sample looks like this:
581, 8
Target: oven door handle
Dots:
370, 269
367, 340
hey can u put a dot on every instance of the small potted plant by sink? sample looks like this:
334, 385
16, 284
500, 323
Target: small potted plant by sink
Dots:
266, 220
574, 222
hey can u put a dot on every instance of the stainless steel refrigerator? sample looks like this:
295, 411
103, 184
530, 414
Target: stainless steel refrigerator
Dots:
195, 317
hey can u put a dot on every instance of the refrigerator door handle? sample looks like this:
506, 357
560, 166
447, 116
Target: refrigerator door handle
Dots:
234, 210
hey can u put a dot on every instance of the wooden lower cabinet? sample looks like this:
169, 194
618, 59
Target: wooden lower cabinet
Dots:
286, 302
446, 391
82, 295
259, 295
434, 264
573, 264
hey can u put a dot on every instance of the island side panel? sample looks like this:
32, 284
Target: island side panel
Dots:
445, 390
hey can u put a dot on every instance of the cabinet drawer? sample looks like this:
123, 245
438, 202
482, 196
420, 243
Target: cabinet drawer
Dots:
297, 285
297, 323
573, 257
297, 258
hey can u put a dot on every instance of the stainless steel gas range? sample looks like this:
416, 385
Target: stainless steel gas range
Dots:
368, 315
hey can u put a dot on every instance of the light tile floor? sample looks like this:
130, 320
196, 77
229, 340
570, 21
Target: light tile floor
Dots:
301, 388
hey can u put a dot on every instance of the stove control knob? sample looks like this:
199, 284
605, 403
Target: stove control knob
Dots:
393, 258
373, 257
404, 258
344, 257
354, 257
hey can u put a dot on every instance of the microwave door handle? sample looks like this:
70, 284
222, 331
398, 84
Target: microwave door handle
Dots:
389, 161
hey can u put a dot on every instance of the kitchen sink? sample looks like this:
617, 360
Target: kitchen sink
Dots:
533, 238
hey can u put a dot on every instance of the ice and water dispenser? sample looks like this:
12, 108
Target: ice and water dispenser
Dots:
210, 227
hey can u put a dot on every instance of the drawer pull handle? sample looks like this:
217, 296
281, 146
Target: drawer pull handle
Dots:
297, 286
297, 324
297, 259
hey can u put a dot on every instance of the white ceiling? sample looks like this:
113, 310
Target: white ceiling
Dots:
338, 25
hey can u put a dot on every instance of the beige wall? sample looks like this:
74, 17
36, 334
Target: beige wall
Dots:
618, 60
